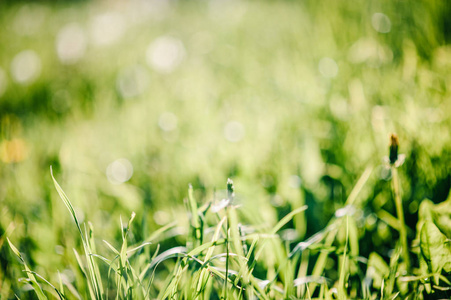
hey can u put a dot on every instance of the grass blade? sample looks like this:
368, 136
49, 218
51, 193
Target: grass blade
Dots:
94, 275
32, 280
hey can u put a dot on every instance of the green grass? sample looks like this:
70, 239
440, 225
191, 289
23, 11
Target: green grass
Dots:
199, 274
253, 96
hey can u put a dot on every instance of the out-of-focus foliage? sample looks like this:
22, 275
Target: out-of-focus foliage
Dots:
130, 101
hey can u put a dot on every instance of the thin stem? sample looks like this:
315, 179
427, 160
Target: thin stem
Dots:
400, 214
227, 256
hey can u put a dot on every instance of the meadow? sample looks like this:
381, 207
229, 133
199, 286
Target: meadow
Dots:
225, 149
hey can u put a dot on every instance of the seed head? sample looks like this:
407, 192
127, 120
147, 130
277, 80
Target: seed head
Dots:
394, 144
230, 189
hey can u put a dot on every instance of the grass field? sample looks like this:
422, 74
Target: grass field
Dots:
197, 141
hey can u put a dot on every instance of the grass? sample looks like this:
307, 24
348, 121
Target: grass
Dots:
199, 274
293, 101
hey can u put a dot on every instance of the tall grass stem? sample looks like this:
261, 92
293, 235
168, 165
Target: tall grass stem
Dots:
400, 214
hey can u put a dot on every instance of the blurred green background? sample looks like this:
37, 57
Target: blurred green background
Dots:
130, 101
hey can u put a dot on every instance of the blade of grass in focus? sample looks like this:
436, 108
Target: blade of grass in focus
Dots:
321, 261
31, 278
94, 279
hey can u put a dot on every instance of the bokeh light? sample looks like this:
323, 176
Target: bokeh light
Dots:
371, 52
381, 23
167, 121
26, 67
119, 171
328, 67
165, 54
234, 131
30, 19
107, 28
71, 43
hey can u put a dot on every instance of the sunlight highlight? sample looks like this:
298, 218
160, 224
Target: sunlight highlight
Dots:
107, 28
71, 43
26, 67
381, 23
165, 54
167, 121
119, 171
234, 131
328, 67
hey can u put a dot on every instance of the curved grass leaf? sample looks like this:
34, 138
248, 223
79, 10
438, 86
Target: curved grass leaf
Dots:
94, 275
30, 274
